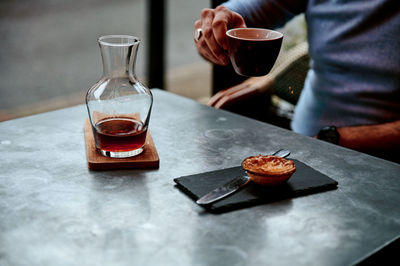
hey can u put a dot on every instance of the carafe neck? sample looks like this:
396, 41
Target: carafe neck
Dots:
119, 55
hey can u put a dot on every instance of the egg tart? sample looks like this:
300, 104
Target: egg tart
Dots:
268, 169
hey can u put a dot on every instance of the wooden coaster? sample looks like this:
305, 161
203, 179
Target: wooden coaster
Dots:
147, 159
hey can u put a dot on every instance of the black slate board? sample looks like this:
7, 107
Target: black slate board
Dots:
305, 180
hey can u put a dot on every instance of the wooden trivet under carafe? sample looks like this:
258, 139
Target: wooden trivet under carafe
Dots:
147, 159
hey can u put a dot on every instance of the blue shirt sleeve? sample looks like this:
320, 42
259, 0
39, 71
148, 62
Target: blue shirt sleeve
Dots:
267, 13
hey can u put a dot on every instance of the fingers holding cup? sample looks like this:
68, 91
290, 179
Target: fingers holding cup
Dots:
205, 39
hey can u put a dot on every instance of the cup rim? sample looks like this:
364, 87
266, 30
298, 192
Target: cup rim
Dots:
228, 33
124, 40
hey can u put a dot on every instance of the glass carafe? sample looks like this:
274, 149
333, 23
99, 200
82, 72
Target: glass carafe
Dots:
119, 105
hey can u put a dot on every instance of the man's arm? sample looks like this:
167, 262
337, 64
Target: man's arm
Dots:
382, 140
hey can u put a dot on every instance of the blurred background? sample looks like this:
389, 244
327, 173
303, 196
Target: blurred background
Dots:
49, 56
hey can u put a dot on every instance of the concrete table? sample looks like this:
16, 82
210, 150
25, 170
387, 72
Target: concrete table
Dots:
54, 211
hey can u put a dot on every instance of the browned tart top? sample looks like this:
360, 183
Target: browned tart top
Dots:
268, 165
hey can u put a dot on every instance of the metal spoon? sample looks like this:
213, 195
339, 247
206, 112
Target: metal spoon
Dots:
282, 153
233, 185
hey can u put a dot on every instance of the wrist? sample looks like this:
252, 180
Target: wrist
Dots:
329, 134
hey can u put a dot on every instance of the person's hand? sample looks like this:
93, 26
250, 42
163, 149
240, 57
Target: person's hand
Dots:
249, 88
210, 38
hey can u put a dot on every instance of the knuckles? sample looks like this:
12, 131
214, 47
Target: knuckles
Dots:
206, 12
197, 24
221, 8
219, 23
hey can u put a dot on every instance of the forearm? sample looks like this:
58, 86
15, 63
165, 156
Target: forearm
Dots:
372, 138
267, 13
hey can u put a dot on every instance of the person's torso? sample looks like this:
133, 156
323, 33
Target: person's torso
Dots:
355, 67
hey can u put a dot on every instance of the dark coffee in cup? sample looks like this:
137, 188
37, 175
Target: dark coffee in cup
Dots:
253, 51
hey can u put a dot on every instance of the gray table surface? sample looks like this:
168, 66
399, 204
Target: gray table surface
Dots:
54, 211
